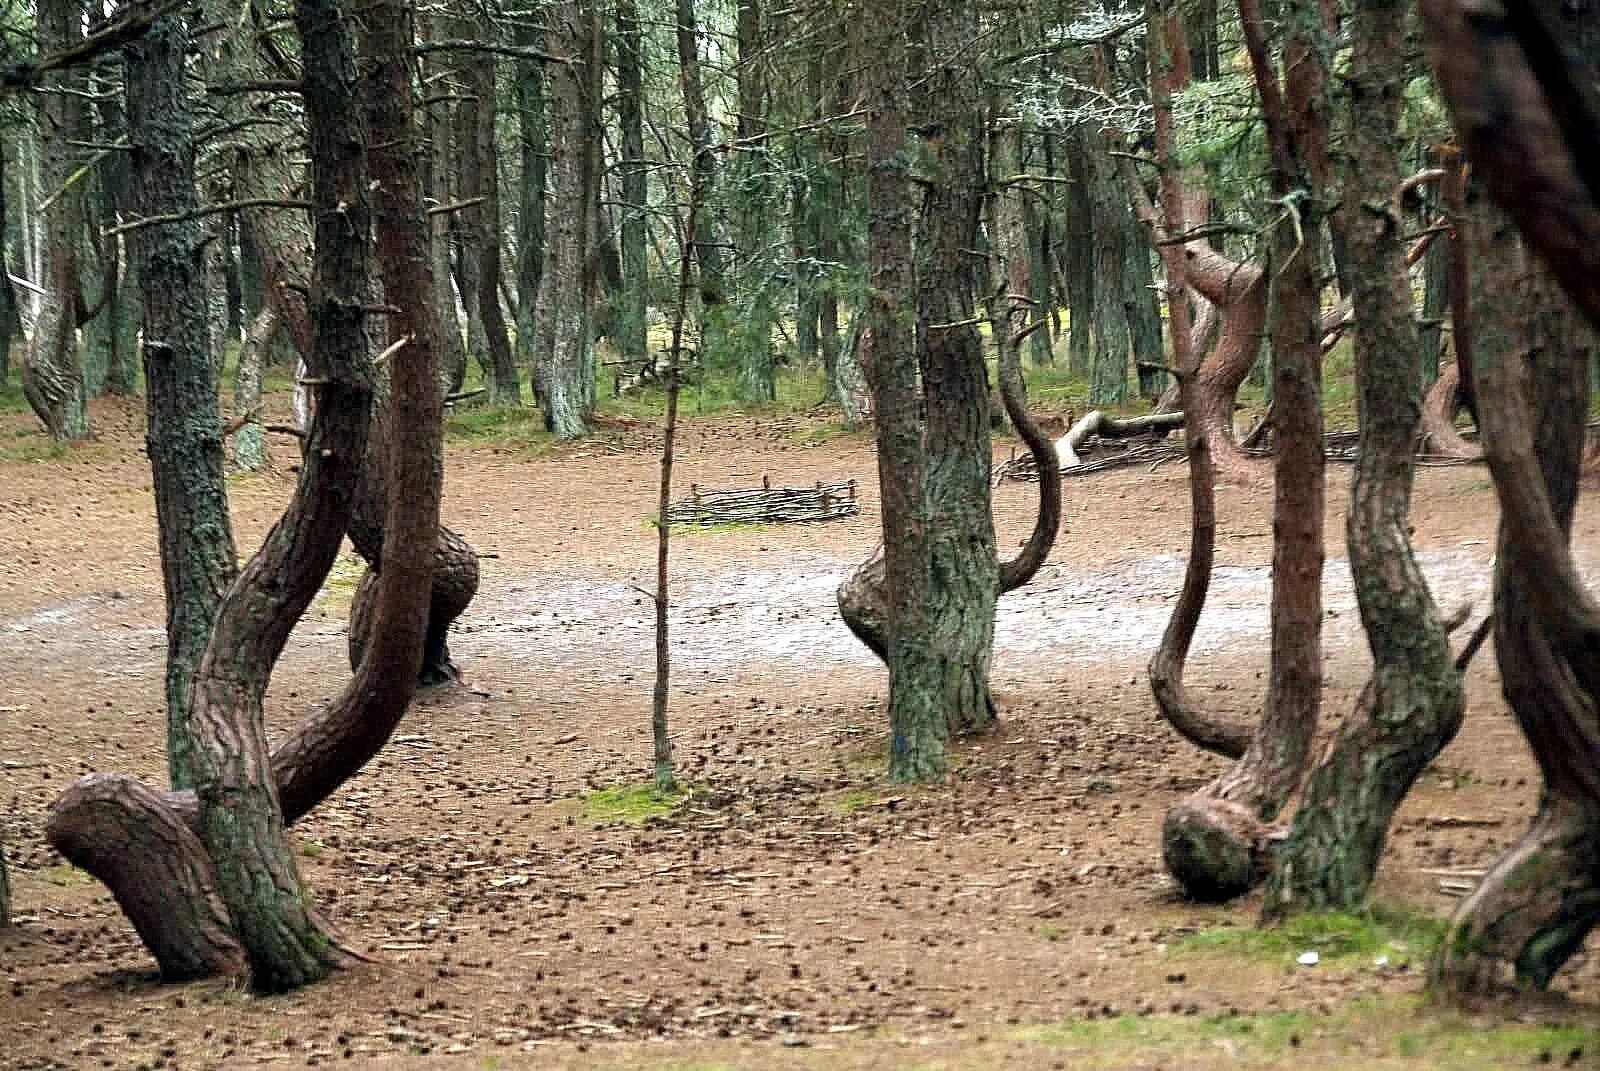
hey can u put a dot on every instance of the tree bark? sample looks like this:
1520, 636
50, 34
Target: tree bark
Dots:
184, 440
1499, 79
1077, 254
751, 328
565, 352
1169, 72
10, 311
1439, 408
481, 226
241, 822
1412, 704
631, 336
1113, 339
173, 884
708, 255
1216, 842
441, 227
52, 377
249, 443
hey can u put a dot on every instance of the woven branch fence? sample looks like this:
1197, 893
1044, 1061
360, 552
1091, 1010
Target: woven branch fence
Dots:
766, 505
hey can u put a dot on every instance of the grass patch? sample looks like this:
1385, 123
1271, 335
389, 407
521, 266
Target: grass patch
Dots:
635, 804
817, 434
66, 876
1338, 938
519, 426
340, 585
1473, 487
1362, 1034
33, 445
713, 392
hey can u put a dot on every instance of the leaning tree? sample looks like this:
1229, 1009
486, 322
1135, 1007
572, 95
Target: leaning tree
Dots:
1412, 704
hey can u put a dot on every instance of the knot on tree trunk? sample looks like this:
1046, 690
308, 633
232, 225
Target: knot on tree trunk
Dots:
1217, 849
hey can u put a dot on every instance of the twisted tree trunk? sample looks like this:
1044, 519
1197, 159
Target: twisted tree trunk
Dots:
1525, 106
1217, 842
1412, 704
207, 904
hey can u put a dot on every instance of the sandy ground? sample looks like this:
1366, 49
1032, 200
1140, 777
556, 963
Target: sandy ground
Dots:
798, 899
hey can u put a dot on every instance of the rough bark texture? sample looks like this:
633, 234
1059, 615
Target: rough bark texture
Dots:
1216, 842
1239, 292
1412, 705
917, 751
240, 818
10, 311
963, 581
708, 254
632, 302
1113, 355
1537, 903
1439, 408
437, 183
751, 330
129, 836
565, 356
1077, 258
184, 436
52, 377
167, 881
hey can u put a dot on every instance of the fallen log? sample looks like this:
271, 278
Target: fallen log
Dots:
1098, 423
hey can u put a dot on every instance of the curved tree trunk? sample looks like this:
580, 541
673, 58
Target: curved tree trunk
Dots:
1413, 704
1525, 108
1239, 293
1439, 407
1169, 57
1216, 842
240, 819
175, 889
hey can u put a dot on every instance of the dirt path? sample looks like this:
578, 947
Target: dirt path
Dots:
797, 895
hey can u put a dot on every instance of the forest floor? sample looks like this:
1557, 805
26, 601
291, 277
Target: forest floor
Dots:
526, 906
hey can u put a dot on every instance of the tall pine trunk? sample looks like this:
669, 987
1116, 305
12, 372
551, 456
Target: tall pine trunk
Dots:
631, 340
52, 375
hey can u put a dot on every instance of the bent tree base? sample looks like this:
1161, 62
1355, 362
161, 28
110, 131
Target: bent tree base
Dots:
455, 582
1533, 909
